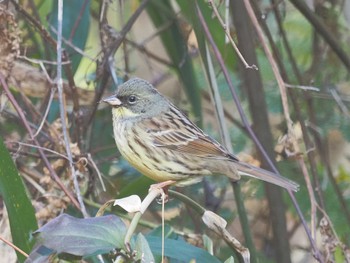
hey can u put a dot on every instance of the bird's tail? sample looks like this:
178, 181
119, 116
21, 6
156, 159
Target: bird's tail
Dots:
252, 171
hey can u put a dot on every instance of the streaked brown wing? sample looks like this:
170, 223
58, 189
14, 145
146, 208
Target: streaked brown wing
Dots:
175, 131
203, 146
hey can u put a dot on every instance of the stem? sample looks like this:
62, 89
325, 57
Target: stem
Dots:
62, 108
239, 202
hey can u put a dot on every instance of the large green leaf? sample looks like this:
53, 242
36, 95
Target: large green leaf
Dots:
19, 208
180, 250
162, 14
175, 243
78, 236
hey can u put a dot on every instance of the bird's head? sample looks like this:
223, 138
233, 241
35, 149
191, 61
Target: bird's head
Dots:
136, 99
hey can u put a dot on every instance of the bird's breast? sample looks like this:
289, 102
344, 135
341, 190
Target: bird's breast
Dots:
121, 136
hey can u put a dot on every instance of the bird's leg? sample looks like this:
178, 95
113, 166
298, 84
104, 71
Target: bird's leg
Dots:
164, 186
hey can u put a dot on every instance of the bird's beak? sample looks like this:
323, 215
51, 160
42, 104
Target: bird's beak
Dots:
112, 100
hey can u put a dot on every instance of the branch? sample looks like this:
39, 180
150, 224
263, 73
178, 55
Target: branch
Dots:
323, 31
62, 108
41, 152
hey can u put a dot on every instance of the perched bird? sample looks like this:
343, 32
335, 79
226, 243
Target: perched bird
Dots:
163, 144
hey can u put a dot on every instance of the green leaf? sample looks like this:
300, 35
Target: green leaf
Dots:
139, 186
75, 26
230, 260
180, 250
19, 208
162, 14
144, 253
168, 232
338, 255
79, 237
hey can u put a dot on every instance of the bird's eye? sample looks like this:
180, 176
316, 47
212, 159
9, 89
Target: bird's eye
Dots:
132, 99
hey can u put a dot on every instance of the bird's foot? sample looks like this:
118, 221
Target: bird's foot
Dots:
164, 186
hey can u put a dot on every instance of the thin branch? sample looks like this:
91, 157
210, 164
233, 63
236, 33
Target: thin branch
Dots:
227, 17
141, 47
39, 147
75, 97
125, 53
62, 107
323, 31
307, 98
41, 62
14, 247
89, 157
217, 102
236, 188
110, 51
339, 102
247, 126
78, 20
41, 152
44, 33
286, 112
121, 36
27, 174
52, 94
72, 46
228, 35
302, 87
308, 101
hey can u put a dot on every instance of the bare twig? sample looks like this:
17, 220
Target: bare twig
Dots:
307, 98
52, 94
41, 152
41, 62
285, 106
14, 246
339, 102
78, 20
39, 147
227, 17
27, 175
323, 31
141, 47
62, 107
237, 191
216, 101
228, 35
72, 46
322, 151
247, 126
125, 50
35, 23
110, 50
89, 157
302, 87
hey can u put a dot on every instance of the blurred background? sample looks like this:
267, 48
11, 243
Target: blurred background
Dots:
181, 47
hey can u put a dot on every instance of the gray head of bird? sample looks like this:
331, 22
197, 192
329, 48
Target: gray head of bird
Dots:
136, 99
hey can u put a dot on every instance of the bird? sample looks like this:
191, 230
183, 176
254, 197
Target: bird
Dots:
162, 143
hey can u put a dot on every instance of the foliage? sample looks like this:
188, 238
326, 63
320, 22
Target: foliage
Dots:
19, 208
180, 47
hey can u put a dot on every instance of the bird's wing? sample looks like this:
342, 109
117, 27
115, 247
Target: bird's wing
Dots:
175, 131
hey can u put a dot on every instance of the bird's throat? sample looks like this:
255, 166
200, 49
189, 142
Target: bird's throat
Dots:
122, 113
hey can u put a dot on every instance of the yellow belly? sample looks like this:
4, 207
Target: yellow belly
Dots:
150, 160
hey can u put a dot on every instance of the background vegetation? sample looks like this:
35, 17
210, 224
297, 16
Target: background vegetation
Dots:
287, 106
